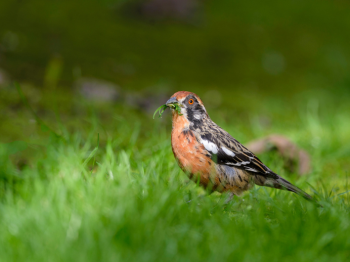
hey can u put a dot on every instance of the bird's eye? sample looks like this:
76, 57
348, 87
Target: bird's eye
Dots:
190, 101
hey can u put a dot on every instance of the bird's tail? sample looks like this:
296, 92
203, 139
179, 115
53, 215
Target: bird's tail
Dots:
276, 181
284, 184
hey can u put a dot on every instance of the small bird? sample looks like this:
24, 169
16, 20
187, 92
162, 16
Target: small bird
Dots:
211, 156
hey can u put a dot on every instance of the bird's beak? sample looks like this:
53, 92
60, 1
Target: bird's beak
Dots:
171, 102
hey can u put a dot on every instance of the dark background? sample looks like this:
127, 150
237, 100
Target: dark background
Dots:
224, 44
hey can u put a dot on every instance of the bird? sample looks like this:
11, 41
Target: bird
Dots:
211, 157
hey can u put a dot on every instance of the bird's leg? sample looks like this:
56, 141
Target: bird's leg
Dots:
230, 196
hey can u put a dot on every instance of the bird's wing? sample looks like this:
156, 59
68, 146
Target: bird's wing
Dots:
226, 150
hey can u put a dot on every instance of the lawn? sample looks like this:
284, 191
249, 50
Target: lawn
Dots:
79, 189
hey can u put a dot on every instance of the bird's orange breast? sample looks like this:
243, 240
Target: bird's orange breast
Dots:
190, 154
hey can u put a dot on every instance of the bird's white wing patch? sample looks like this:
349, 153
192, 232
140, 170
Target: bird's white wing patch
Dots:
210, 146
228, 152
238, 164
251, 169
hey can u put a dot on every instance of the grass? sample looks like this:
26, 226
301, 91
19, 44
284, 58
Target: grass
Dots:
112, 191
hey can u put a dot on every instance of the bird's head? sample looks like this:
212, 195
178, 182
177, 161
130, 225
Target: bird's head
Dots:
187, 105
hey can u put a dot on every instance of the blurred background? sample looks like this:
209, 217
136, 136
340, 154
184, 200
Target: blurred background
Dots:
243, 58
